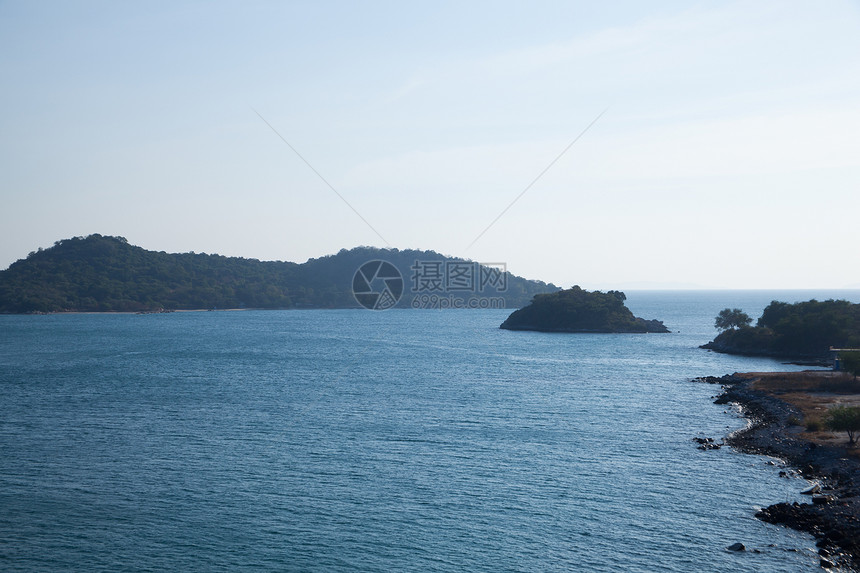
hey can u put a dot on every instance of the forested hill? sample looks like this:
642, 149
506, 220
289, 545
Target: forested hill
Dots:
101, 273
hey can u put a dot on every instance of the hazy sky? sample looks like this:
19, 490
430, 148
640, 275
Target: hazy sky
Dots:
728, 156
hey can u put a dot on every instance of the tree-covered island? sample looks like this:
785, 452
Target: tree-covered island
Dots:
107, 274
803, 331
578, 310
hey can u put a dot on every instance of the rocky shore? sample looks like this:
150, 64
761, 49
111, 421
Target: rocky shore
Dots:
833, 516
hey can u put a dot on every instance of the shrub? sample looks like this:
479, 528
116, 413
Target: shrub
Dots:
844, 419
813, 425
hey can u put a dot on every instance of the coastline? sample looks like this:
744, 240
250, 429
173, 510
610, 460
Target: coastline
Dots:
833, 517
123, 312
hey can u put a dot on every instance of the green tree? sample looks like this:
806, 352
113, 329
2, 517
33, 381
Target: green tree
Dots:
850, 362
731, 318
844, 419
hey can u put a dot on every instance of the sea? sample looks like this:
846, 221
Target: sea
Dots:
398, 440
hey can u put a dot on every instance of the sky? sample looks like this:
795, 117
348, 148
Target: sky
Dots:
714, 144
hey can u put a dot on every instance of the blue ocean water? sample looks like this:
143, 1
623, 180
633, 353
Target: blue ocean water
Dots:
353, 440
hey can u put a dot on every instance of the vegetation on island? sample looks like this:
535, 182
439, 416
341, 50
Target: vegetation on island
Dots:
799, 331
732, 318
578, 310
849, 361
107, 274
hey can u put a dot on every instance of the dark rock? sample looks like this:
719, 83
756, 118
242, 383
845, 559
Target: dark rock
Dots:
737, 547
709, 445
713, 379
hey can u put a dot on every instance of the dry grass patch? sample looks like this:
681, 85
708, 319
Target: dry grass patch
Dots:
813, 392
808, 381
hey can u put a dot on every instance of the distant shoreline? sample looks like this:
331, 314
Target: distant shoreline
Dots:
103, 312
185, 310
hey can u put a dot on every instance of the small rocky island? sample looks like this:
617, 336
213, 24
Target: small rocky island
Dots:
578, 310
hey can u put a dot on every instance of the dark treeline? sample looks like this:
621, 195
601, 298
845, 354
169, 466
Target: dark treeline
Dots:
803, 330
101, 273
